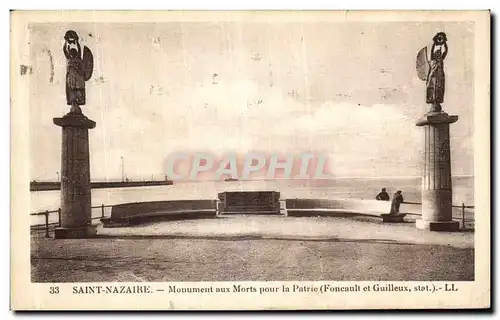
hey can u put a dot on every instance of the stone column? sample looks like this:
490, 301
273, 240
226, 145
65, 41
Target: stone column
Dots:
436, 180
76, 208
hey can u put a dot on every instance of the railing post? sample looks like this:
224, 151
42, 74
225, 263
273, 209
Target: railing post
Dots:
463, 215
102, 210
47, 224
59, 216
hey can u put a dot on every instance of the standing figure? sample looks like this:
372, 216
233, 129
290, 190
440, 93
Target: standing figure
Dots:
397, 199
430, 68
78, 70
383, 195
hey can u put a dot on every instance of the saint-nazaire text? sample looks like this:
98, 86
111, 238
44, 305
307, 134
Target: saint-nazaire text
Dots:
112, 289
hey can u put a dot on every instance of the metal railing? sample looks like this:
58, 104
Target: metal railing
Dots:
463, 207
45, 226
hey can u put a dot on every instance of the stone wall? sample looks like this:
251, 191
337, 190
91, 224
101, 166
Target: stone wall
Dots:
340, 207
138, 212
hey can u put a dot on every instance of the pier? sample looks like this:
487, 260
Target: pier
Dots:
50, 186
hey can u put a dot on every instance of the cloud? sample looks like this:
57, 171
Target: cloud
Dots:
365, 140
231, 116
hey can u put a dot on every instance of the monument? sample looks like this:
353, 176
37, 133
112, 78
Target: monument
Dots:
436, 180
249, 202
76, 219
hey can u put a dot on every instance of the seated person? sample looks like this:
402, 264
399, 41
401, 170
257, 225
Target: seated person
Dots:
383, 195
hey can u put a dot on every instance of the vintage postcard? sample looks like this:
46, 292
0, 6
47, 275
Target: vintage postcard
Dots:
250, 160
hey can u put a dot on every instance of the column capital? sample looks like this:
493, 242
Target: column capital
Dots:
436, 118
73, 119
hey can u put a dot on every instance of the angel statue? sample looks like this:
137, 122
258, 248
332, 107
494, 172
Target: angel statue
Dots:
78, 70
430, 68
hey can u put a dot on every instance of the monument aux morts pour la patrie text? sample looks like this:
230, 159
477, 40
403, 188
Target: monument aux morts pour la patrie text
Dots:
76, 218
436, 180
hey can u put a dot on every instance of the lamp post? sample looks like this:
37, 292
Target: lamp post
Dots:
123, 171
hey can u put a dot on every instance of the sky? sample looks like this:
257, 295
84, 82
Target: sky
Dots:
346, 89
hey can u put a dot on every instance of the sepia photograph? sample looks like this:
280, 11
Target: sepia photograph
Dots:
252, 147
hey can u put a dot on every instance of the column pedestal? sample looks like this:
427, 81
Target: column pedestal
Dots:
76, 211
436, 180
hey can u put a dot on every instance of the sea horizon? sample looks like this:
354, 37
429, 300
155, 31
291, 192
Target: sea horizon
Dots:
262, 179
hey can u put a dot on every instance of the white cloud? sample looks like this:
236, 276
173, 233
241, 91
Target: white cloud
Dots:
361, 140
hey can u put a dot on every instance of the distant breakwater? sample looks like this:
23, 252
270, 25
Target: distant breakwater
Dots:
50, 186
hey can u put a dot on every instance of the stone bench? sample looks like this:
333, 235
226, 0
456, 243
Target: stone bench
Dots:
341, 208
140, 212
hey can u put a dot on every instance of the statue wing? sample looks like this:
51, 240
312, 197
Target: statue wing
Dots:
422, 64
88, 63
